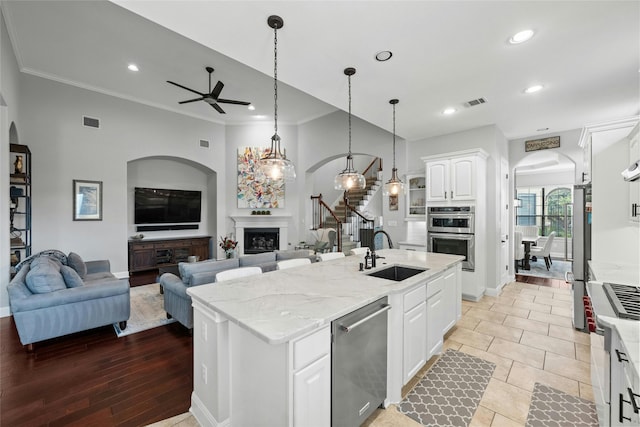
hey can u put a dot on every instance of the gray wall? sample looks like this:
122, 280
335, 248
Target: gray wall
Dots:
9, 112
65, 150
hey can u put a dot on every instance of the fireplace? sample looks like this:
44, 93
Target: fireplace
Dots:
258, 240
262, 224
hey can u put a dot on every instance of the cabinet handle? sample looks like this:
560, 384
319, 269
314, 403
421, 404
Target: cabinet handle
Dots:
445, 194
634, 210
622, 357
633, 396
451, 194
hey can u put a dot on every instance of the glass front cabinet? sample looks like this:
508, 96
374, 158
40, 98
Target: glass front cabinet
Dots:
416, 196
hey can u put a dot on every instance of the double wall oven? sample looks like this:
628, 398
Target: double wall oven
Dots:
451, 230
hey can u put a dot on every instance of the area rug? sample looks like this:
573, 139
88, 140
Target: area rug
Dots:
539, 269
554, 408
147, 310
450, 392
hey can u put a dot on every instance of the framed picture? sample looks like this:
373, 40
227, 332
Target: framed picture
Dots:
393, 202
253, 193
87, 200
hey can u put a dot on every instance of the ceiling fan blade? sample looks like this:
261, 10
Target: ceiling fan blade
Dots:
191, 100
185, 88
217, 108
231, 101
216, 90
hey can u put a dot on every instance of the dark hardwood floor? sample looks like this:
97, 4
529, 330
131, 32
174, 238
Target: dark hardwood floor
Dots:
93, 378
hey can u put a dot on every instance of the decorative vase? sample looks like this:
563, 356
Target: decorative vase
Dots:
18, 164
230, 253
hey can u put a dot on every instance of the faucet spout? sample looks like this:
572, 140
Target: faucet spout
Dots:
388, 237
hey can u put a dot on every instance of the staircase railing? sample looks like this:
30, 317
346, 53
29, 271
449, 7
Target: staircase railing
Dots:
320, 211
357, 224
370, 170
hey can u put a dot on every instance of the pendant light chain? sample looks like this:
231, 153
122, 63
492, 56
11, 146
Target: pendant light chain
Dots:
275, 79
349, 78
394, 135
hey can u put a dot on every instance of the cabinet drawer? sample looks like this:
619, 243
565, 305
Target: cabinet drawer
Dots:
435, 286
310, 348
415, 297
140, 246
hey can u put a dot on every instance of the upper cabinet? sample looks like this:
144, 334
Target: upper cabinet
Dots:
416, 194
453, 178
634, 186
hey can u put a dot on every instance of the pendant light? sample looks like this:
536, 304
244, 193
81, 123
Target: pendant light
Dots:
274, 164
349, 178
394, 186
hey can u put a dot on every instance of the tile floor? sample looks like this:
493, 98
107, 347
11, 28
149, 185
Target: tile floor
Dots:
527, 333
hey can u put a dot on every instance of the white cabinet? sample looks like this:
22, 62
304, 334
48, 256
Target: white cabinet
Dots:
416, 195
624, 385
452, 179
414, 333
451, 298
634, 186
435, 314
311, 387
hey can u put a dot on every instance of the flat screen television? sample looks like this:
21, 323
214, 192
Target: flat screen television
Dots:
162, 206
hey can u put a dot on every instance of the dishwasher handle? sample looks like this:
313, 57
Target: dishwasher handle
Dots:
351, 327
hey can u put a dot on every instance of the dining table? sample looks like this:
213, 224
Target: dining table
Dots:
528, 241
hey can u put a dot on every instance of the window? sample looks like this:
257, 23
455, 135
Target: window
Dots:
545, 207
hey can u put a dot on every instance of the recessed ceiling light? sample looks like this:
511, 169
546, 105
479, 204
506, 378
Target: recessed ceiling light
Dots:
133, 67
542, 129
448, 111
259, 116
533, 89
384, 55
251, 107
521, 37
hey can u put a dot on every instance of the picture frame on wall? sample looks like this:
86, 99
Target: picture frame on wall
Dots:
393, 202
87, 200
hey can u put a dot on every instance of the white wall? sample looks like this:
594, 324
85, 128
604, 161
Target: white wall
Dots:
614, 238
490, 139
64, 150
9, 112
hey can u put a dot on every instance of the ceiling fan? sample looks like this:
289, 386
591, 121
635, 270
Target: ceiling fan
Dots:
211, 97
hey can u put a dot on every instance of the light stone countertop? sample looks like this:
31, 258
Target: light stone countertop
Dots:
281, 305
629, 330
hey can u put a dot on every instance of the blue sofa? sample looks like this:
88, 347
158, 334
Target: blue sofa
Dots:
177, 303
54, 295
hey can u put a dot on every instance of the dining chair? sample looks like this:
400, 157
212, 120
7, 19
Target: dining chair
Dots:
290, 263
359, 251
235, 273
545, 251
518, 249
330, 255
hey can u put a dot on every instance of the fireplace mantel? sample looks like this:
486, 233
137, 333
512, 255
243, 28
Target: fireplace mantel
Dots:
262, 221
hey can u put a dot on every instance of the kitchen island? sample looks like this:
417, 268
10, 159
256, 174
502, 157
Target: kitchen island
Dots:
262, 344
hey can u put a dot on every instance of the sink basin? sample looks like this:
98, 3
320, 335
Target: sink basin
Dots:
397, 273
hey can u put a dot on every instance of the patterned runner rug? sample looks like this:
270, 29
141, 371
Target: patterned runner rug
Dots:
450, 392
554, 408
147, 310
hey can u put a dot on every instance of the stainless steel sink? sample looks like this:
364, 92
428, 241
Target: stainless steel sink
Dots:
397, 273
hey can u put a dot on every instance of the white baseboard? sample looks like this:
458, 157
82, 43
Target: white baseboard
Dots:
5, 312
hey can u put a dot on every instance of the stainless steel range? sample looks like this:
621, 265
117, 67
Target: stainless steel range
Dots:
624, 299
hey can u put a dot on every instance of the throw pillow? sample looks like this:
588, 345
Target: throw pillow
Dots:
44, 276
71, 277
75, 261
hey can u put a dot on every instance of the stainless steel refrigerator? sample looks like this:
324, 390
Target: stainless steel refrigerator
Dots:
581, 238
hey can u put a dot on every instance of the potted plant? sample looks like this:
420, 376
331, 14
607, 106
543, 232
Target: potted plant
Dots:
228, 245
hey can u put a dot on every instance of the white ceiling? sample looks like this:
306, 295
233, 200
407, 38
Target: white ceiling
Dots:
585, 53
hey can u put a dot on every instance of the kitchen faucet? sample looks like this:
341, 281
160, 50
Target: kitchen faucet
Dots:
388, 237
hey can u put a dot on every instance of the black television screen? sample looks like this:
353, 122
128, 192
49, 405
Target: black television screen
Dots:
161, 206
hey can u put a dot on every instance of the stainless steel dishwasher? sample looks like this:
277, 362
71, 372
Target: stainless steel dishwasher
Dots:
359, 364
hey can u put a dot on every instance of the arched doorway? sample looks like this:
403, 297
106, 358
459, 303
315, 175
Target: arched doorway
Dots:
543, 187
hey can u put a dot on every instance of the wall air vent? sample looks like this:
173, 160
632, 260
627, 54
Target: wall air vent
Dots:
204, 143
91, 122
475, 102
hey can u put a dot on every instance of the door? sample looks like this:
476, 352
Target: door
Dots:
415, 341
505, 244
311, 387
462, 178
437, 181
434, 321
